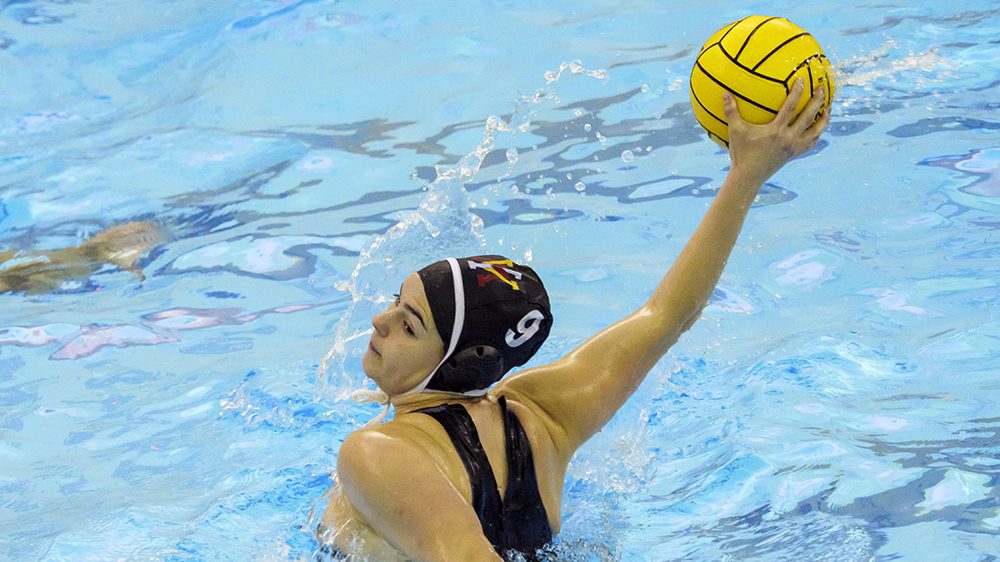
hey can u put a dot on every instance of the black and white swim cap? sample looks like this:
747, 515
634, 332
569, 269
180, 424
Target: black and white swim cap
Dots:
492, 315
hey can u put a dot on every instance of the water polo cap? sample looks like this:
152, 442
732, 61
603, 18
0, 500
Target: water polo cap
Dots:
492, 315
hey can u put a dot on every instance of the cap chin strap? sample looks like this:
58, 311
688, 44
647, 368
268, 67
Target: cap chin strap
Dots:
456, 329
382, 397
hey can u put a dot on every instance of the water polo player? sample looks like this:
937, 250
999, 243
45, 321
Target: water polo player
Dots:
468, 472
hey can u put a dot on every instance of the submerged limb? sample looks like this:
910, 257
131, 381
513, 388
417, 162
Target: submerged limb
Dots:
4, 258
44, 272
124, 244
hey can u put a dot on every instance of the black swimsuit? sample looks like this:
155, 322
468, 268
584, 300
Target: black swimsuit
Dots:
518, 522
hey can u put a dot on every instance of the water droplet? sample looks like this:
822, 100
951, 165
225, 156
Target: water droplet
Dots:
649, 149
512, 155
644, 88
468, 166
586, 126
578, 112
580, 186
528, 255
627, 156
485, 202
569, 176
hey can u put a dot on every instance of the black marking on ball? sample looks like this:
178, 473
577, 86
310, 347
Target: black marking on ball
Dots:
750, 35
748, 69
708, 111
712, 135
800, 65
778, 48
732, 26
737, 94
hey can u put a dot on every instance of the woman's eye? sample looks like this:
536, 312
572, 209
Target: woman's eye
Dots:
396, 297
409, 330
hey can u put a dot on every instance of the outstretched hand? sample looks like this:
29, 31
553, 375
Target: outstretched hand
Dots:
758, 151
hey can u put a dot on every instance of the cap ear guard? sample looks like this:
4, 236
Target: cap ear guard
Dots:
475, 367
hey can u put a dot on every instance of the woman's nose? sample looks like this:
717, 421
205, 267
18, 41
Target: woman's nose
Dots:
381, 323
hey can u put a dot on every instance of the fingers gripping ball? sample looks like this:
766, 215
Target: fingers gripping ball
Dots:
758, 59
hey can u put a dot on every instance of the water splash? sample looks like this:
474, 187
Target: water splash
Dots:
440, 226
865, 69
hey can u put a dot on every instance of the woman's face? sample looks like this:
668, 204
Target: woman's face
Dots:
405, 345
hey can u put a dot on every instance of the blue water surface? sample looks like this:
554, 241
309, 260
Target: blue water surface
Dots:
837, 401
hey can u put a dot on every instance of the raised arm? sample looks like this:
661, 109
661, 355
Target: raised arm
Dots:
578, 394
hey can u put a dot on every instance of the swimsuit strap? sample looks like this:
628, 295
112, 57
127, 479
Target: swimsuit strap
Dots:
526, 525
519, 521
486, 502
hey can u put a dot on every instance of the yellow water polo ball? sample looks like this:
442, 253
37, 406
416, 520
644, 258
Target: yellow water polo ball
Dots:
758, 59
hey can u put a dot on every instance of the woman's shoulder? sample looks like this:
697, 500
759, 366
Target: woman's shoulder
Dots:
400, 436
370, 455
392, 480
406, 440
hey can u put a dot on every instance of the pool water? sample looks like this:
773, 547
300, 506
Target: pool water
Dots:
837, 401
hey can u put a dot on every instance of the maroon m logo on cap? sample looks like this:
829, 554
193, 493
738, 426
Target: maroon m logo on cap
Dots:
494, 273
